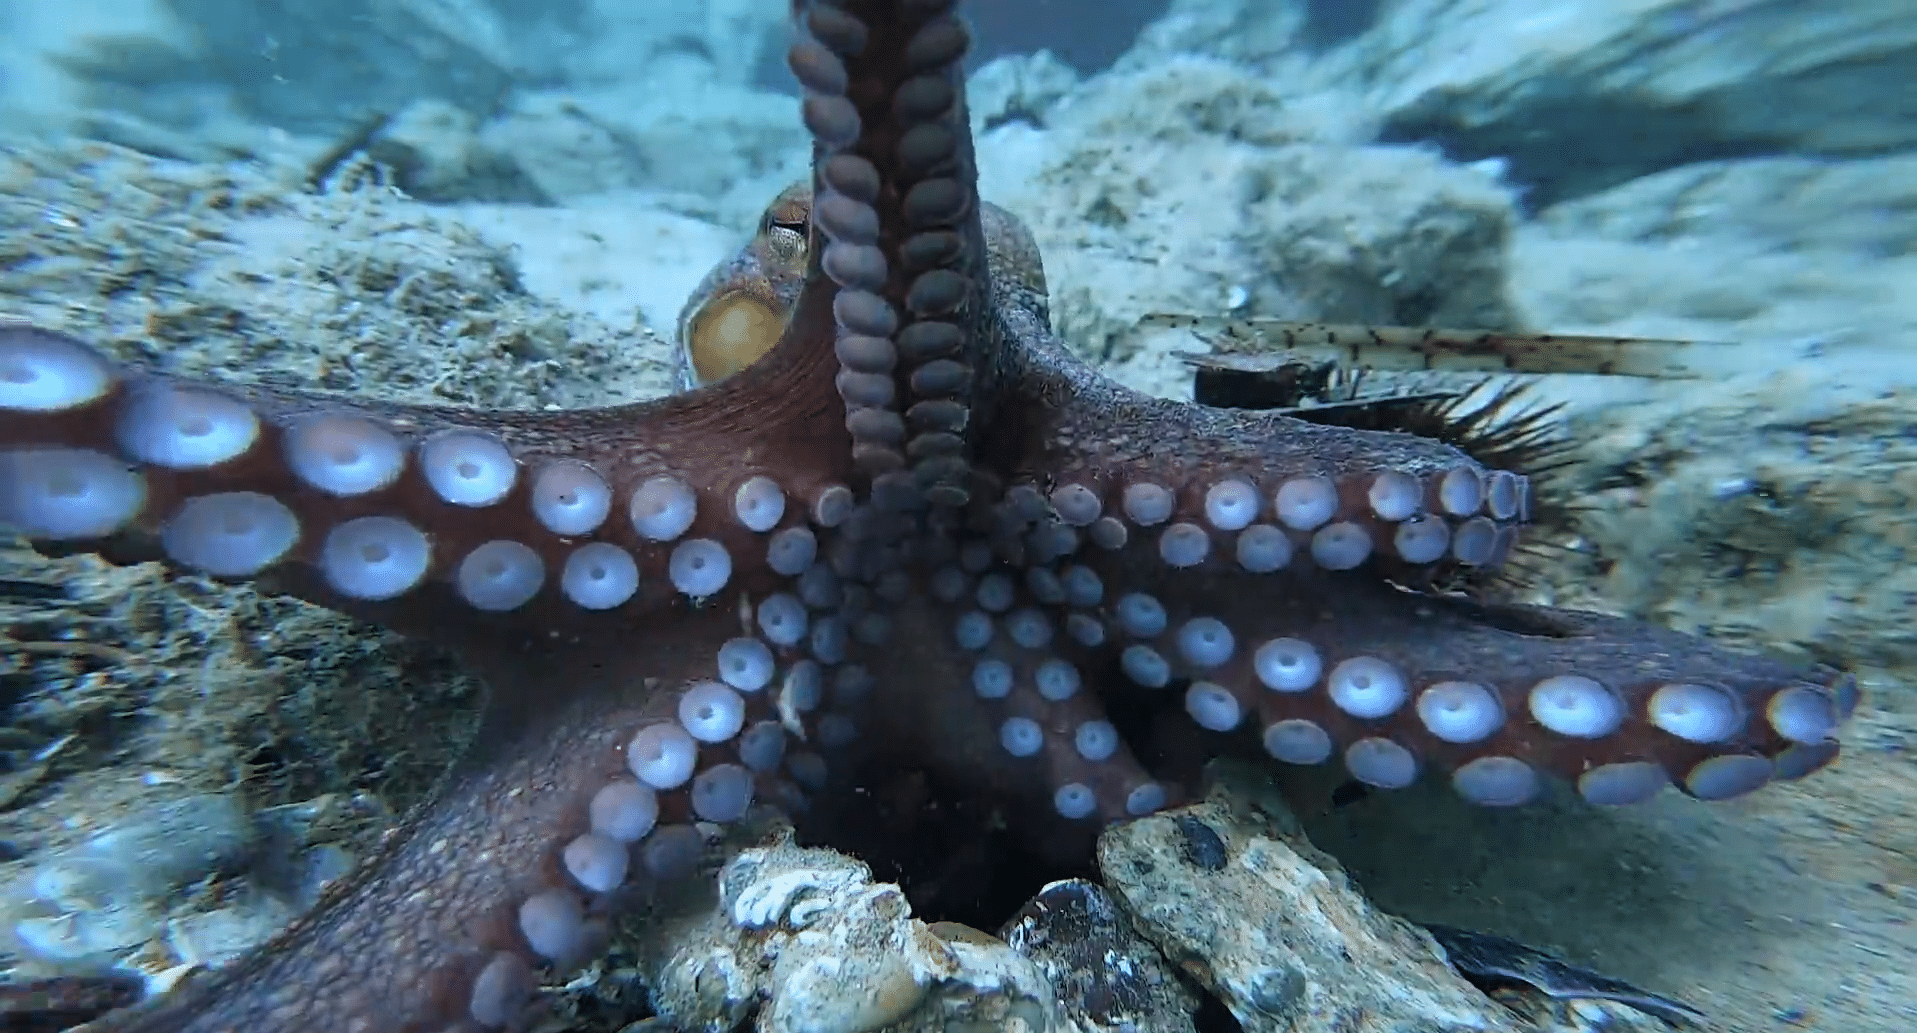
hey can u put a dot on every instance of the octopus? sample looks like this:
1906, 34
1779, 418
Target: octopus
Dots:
905, 525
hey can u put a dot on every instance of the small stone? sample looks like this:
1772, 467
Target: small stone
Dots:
1202, 847
1109, 979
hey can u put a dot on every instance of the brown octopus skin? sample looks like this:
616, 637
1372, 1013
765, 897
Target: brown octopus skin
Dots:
976, 448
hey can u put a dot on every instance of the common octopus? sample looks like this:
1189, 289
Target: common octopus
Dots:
917, 525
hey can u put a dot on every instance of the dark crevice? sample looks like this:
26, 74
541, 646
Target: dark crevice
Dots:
1512, 619
1569, 144
1002, 28
1331, 22
1089, 44
1213, 1016
953, 852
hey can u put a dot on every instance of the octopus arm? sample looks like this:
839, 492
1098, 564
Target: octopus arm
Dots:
1395, 683
583, 795
438, 521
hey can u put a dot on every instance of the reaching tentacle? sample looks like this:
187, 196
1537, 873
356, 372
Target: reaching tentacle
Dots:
577, 811
531, 543
1392, 682
898, 258
573, 520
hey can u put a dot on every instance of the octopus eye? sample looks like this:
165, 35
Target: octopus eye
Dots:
785, 245
729, 333
790, 211
776, 224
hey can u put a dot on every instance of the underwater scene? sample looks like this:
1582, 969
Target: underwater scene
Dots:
957, 516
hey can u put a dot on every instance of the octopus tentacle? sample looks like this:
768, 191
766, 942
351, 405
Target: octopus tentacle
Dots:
575, 519
897, 237
513, 538
1333, 667
585, 807
1193, 540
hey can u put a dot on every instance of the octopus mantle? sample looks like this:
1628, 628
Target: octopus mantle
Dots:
915, 528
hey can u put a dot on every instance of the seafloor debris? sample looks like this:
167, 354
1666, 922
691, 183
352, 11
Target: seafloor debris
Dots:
87, 905
806, 941
1258, 345
1489, 961
62, 1002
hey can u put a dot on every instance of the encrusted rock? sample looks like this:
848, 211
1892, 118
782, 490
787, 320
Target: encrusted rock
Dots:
994, 988
809, 941
1278, 932
86, 905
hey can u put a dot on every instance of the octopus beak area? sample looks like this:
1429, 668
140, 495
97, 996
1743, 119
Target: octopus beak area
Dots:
895, 276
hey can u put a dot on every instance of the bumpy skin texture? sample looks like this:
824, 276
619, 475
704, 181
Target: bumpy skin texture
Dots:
918, 530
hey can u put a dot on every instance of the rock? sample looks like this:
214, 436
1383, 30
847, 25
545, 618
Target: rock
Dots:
214, 938
1792, 469
56, 65
1783, 251
1575, 98
436, 154
1279, 933
300, 849
572, 145
1109, 978
809, 941
306, 69
606, 43
714, 150
203, 79
1867, 206
1580, 97
1018, 88
82, 907
994, 988
1547, 1015
1261, 34
1800, 497
169, 846
1084, 38
1193, 186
